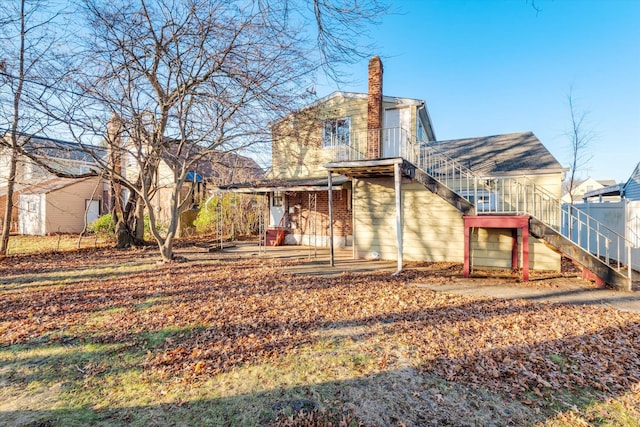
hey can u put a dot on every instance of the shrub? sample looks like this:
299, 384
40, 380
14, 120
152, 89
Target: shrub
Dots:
103, 226
233, 215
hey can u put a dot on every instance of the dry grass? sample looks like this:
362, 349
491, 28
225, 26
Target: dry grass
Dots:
22, 245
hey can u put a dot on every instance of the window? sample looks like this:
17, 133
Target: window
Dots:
420, 131
336, 132
278, 199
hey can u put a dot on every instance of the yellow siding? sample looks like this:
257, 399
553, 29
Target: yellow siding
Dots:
492, 248
297, 150
65, 208
550, 182
433, 230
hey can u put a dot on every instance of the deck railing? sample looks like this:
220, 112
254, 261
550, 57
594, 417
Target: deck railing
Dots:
494, 195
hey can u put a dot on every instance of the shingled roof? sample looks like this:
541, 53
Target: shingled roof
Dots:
501, 154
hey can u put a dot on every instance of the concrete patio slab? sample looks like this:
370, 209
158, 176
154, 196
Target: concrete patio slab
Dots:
315, 262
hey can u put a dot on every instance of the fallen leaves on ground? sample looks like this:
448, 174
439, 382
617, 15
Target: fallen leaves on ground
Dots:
214, 316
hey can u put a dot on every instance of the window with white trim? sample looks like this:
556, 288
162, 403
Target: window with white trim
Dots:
278, 199
336, 132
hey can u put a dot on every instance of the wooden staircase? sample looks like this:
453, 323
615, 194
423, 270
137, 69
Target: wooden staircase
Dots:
567, 230
597, 266
550, 221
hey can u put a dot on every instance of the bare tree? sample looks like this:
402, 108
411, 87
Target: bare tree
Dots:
28, 55
580, 137
185, 79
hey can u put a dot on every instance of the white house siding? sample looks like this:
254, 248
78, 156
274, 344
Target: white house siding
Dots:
433, 230
32, 209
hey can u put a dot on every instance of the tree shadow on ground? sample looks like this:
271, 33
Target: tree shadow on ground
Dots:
429, 358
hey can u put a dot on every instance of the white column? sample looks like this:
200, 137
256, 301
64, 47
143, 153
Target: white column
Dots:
330, 182
397, 176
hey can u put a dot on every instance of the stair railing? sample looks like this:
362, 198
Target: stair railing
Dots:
494, 195
522, 196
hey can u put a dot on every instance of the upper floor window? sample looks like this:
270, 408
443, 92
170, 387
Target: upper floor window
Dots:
420, 134
336, 132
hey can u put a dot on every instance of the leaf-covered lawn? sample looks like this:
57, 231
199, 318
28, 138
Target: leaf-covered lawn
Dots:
110, 337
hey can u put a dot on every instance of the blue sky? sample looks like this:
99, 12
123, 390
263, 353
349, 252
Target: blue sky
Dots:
498, 66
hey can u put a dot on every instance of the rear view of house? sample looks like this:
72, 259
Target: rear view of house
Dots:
366, 170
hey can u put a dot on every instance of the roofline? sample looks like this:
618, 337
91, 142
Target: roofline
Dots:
46, 138
356, 95
488, 136
359, 95
610, 190
253, 188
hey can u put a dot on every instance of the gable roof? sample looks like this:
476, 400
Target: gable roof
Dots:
44, 147
501, 154
632, 186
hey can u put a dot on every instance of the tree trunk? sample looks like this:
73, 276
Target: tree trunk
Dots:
124, 238
8, 209
139, 221
166, 250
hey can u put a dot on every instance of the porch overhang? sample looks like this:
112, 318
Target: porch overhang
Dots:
269, 186
369, 168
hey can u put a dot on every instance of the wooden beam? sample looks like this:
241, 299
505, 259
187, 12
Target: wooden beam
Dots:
500, 222
514, 250
467, 251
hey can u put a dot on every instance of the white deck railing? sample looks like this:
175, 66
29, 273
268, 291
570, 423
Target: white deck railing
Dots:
493, 195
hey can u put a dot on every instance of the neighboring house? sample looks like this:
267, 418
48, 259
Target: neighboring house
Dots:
367, 170
584, 186
61, 205
67, 157
215, 168
631, 189
45, 195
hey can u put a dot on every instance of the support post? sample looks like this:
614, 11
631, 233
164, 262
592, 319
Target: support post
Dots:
354, 247
467, 249
514, 250
397, 175
525, 253
331, 255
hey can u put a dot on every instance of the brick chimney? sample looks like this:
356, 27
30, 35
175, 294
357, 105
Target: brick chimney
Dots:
374, 108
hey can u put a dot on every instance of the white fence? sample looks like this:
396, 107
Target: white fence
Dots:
623, 218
